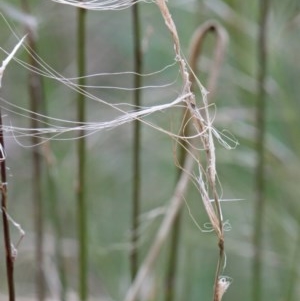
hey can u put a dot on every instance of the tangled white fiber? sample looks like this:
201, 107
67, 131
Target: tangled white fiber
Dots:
100, 4
206, 180
90, 127
54, 128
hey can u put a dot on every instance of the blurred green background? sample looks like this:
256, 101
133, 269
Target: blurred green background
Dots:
109, 159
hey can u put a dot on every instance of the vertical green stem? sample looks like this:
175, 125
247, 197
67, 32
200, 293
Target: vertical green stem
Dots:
81, 155
292, 280
136, 185
6, 234
260, 148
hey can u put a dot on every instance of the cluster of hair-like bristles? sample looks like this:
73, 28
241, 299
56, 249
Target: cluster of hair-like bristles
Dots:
54, 128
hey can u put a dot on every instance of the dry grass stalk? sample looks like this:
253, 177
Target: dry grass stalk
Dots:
10, 250
36, 95
194, 56
204, 127
163, 232
196, 46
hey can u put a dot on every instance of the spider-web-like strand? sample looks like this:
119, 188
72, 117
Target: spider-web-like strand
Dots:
102, 5
54, 130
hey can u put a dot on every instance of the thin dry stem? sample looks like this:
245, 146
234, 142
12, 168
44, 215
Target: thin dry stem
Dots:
194, 55
36, 99
219, 52
204, 126
9, 248
163, 232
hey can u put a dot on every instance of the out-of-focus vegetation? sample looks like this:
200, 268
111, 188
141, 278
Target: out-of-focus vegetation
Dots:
109, 49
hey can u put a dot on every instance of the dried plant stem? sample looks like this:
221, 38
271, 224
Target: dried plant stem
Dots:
173, 258
39, 104
54, 213
38, 206
36, 100
196, 46
170, 278
260, 148
81, 155
204, 128
163, 232
172, 28
136, 198
175, 232
10, 251
6, 233
194, 55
